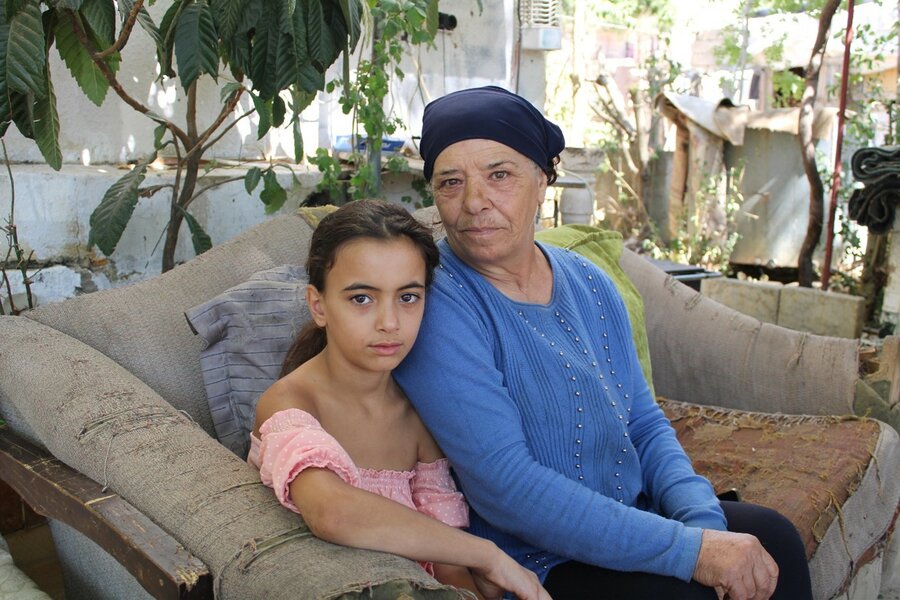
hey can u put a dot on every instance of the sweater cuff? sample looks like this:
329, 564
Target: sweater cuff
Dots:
692, 538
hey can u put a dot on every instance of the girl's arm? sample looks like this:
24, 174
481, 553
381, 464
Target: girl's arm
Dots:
342, 514
459, 577
429, 453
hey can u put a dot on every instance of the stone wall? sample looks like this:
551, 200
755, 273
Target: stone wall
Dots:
802, 309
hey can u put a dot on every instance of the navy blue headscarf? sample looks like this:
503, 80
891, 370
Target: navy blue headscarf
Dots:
489, 113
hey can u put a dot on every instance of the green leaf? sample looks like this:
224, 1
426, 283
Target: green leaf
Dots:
299, 101
158, 133
298, 142
278, 111
147, 24
167, 34
101, 16
196, 44
286, 62
431, 18
264, 111
46, 125
273, 195
109, 219
13, 6
345, 70
351, 11
26, 54
415, 17
291, 53
310, 79
264, 55
88, 76
317, 36
298, 35
251, 179
70, 4
5, 110
22, 111
228, 90
199, 238
227, 15
237, 48
48, 24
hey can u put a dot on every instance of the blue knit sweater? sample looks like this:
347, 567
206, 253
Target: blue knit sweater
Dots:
544, 412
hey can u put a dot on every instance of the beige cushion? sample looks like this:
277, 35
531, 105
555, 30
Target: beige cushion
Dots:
142, 326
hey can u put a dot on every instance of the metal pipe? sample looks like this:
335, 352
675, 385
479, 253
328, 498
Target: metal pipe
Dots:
836, 175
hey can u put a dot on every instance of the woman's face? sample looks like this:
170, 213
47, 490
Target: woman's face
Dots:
487, 195
372, 304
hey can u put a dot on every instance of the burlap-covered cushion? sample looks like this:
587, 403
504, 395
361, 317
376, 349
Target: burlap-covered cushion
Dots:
806, 468
247, 331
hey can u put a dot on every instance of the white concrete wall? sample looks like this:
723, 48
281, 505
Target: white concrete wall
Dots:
52, 214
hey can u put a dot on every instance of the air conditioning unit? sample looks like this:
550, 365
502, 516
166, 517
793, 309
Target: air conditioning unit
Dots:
539, 22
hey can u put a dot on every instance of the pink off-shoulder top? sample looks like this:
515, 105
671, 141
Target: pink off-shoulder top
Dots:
293, 440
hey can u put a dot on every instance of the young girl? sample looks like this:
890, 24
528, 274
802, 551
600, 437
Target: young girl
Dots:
337, 439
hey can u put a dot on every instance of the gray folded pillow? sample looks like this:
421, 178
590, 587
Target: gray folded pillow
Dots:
248, 329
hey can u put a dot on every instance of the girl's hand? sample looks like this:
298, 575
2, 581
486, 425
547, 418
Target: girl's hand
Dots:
504, 574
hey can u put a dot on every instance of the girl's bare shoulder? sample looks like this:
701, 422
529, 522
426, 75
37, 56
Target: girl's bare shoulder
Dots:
428, 449
291, 391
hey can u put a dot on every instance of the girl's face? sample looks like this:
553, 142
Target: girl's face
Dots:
372, 304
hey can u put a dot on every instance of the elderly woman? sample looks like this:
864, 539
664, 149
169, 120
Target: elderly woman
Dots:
526, 373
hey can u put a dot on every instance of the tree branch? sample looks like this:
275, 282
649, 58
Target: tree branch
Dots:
805, 272
606, 118
228, 128
202, 190
640, 136
616, 118
124, 34
226, 110
114, 83
613, 107
622, 181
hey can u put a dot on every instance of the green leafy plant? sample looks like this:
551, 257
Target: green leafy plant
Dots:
15, 254
866, 97
787, 88
274, 51
700, 241
605, 115
396, 25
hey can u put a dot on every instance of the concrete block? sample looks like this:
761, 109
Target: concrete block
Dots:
758, 299
53, 284
822, 313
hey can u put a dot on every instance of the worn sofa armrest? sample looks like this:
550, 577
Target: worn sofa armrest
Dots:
159, 563
98, 418
706, 353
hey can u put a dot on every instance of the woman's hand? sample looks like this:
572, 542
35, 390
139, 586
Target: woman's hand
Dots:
736, 565
504, 574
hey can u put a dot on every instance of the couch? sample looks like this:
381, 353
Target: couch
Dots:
107, 390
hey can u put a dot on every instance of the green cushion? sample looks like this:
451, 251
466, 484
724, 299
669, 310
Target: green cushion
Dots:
604, 248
